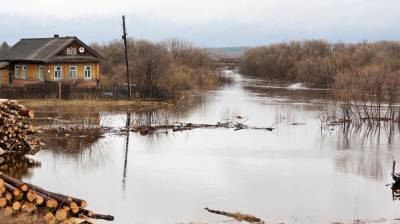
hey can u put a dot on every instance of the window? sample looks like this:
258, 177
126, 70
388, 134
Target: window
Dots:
57, 72
71, 51
72, 72
41, 72
23, 76
88, 72
16, 71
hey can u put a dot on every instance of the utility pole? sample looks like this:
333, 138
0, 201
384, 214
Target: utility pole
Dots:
126, 58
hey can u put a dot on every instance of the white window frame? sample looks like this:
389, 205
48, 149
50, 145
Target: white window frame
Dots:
71, 51
73, 74
23, 72
59, 77
16, 71
41, 72
87, 72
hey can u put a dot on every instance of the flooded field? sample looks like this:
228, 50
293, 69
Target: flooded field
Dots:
298, 173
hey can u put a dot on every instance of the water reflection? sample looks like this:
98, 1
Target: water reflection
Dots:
274, 175
366, 151
124, 175
18, 166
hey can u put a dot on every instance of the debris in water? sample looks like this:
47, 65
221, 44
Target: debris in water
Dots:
150, 129
237, 215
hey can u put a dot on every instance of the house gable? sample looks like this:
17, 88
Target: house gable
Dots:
74, 51
77, 49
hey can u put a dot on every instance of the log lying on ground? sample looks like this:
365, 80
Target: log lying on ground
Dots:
237, 215
16, 131
150, 129
25, 198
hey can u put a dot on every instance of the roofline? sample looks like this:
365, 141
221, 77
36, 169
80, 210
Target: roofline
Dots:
60, 48
42, 38
21, 60
50, 61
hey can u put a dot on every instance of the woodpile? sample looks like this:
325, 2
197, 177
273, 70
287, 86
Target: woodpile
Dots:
16, 131
24, 198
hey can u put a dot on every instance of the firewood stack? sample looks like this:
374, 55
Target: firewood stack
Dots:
16, 130
24, 198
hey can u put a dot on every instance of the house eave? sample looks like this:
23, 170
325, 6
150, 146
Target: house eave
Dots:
4, 65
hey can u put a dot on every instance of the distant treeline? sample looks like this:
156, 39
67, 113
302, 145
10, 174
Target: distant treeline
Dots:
319, 63
159, 70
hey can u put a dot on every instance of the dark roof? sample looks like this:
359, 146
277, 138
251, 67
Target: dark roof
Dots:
40, 49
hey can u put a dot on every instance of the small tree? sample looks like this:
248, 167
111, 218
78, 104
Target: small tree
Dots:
4, 46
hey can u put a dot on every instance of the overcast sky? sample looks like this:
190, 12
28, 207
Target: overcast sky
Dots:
208, 23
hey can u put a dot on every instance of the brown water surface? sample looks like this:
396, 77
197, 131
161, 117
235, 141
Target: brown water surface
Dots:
295, 174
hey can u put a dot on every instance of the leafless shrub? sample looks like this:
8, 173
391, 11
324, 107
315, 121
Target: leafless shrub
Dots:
317, 62
159, 70
368, 94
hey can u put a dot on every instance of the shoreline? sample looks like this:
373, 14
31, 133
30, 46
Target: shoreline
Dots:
114, 105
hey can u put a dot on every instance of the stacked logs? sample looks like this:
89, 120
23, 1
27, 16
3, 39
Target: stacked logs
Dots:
16, 130
24, 198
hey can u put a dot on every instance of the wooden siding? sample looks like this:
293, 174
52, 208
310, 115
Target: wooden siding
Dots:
4, 77
32, 71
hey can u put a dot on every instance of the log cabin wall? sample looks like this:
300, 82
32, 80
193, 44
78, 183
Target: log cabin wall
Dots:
65, 71
4, 81
32, 71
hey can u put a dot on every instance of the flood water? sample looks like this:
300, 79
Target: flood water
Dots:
294, 174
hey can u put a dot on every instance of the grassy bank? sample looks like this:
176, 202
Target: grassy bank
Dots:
113, 105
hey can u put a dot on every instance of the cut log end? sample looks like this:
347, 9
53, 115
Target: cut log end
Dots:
16, 206
83, 203
39, 200
24, 187
61, 214
74, 208
3, 202
49, 218
31, 196
52, 203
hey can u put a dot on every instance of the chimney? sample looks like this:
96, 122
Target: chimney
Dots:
56, 36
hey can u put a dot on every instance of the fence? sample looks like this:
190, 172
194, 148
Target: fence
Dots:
63, 91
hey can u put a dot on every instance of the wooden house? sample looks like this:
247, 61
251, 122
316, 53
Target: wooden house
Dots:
56, 59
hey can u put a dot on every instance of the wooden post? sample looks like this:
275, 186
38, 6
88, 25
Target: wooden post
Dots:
126, 58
